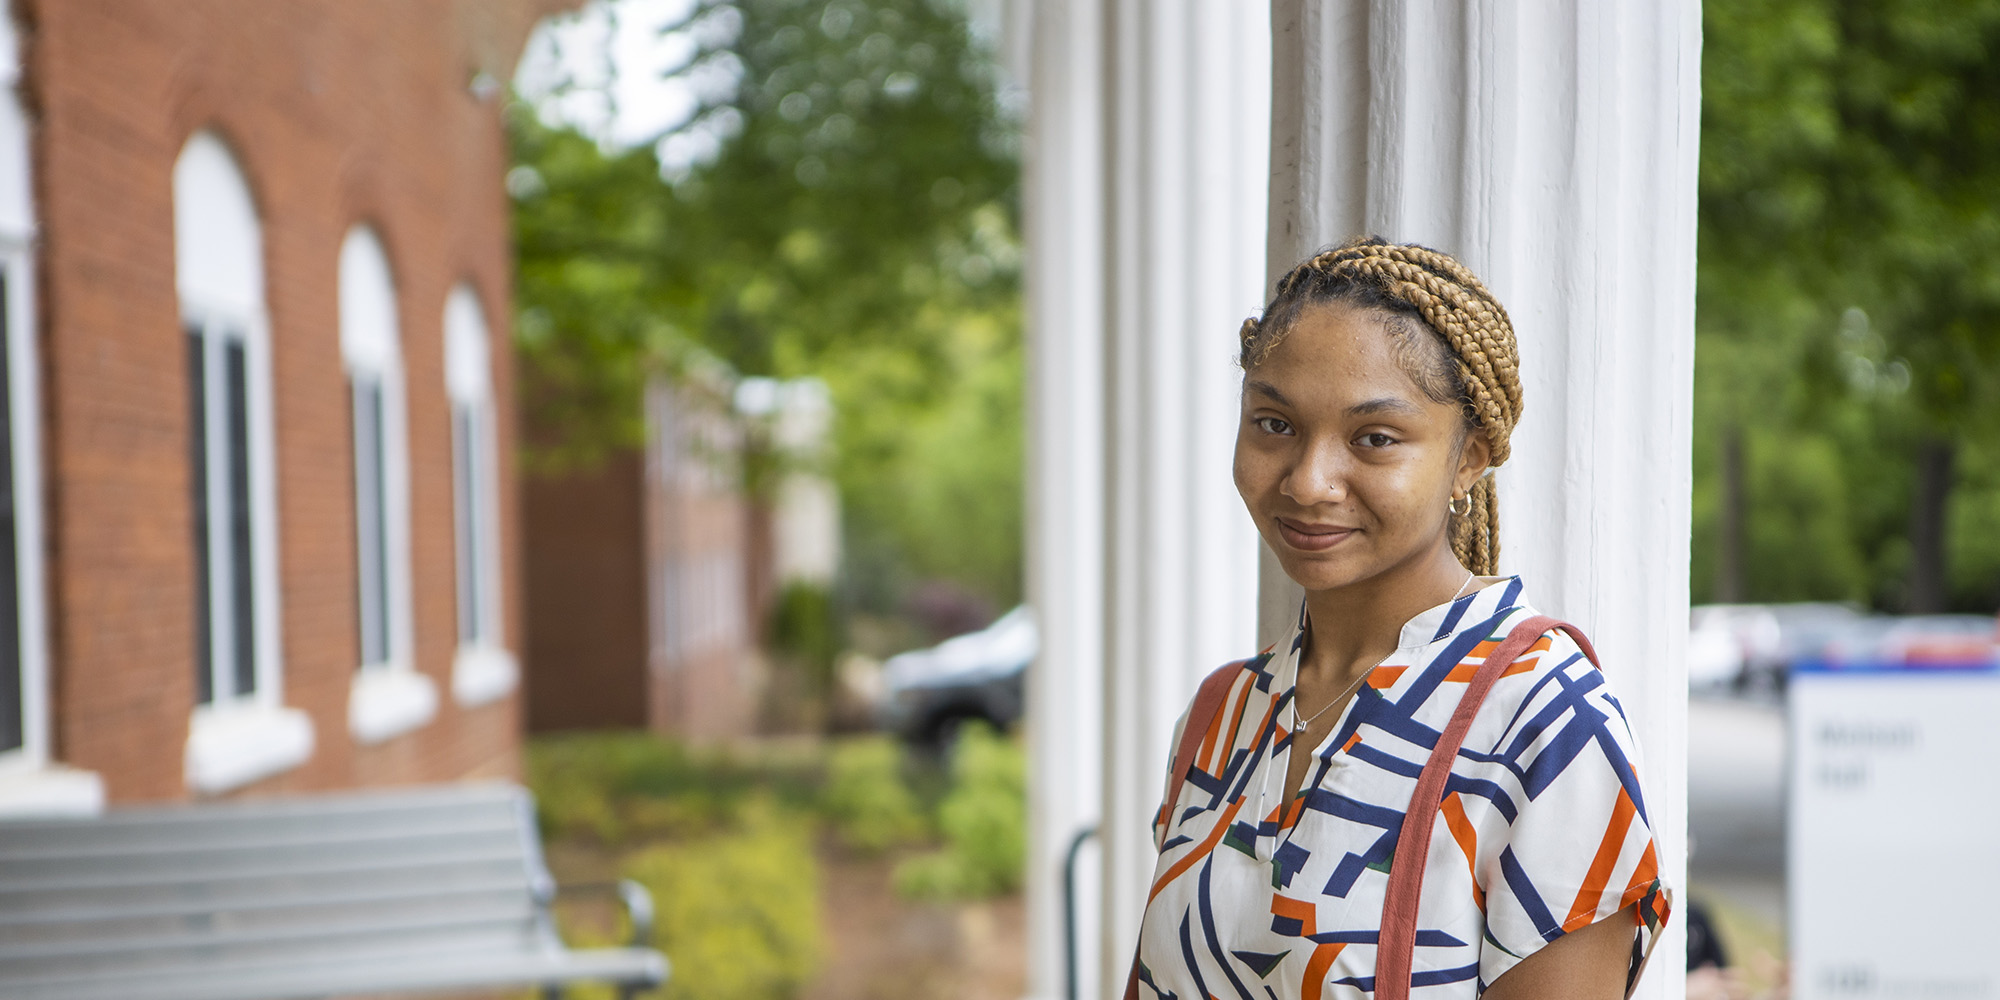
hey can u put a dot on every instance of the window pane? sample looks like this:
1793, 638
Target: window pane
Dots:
480, 486
370, 520
204, 678
243, 627
465, 520
11, 722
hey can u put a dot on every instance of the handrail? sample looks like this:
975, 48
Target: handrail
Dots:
1069, 909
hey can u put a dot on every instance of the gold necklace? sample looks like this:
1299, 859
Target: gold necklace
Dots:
1299, 726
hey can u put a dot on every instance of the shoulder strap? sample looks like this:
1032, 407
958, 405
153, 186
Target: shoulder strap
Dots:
1207, 705
1397, 944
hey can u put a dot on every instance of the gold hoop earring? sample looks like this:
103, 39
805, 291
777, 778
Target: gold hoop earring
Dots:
1452, 506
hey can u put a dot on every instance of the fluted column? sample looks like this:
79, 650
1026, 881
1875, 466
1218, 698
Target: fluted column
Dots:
1147, 175
1064, 215
1551, 146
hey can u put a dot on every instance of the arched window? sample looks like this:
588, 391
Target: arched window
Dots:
29, 783
483, 669
240, 731
389, 697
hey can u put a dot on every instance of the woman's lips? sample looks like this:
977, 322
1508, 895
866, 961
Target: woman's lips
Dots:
1312, 537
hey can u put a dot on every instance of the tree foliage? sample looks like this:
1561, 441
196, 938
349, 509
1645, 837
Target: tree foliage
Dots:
1849, 291
854, 219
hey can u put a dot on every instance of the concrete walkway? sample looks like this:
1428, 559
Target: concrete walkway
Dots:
1736, 804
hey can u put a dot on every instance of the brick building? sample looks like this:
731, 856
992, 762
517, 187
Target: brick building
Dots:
651, 575
254, 262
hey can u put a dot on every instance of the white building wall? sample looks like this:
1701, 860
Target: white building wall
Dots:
1550, 146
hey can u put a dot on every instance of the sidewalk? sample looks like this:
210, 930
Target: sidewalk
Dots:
1736, 827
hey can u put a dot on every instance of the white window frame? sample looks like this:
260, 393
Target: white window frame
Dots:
32, 782
390, 696
16, 275
235, 738
483, 669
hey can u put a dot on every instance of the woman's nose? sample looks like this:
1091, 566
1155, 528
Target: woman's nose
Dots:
1318, 476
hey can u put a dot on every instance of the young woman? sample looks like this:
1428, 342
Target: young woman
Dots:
1380, 386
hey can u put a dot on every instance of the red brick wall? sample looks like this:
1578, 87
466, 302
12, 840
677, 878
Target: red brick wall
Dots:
338, 111
586, 596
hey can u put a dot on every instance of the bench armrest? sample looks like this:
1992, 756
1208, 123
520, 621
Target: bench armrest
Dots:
639, 906
636, 898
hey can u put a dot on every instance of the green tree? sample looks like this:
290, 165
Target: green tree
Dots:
856, 221
1849, 278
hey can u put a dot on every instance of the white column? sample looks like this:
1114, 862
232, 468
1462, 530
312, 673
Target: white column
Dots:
1146, 200
1187, 120
1551, 146
1064, 218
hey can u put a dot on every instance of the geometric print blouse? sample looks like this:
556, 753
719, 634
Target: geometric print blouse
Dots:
1542, 830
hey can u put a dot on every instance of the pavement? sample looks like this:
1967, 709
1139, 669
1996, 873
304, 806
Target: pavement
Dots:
1736, 804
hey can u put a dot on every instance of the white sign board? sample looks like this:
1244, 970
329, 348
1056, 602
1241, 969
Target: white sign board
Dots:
1894, 833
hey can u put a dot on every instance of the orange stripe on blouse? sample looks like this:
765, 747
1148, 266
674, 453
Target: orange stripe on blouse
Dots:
1301, 910
1642, 879
1322, 960
1462, 674
1599, 877
1486, 648
1201, 851
1468, 842
1249, 682
1382, 678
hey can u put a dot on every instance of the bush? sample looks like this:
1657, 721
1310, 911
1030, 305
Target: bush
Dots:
619, 787
985, 822
869, 805
737, 913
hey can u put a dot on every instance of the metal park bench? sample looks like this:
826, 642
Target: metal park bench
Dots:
438, 888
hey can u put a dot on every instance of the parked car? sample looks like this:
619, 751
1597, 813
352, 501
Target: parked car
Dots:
1750, 647
978, 677
1919, 639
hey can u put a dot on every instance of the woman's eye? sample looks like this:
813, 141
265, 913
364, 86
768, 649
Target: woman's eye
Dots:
1377, 440
1272, 425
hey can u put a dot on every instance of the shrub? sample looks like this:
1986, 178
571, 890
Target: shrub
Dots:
737, 913
984, 820
619, 787
866, 799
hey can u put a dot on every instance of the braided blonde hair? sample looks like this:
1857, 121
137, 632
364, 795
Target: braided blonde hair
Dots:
1463, 352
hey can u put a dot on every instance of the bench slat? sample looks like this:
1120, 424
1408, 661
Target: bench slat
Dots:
356, 829
151, 825
473, 970
397, 891
244, 896
223, 864
114, 930
366, 941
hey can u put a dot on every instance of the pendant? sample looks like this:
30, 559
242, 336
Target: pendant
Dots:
1298, 728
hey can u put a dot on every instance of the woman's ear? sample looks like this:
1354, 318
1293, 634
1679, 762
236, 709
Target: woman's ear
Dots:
1474, 456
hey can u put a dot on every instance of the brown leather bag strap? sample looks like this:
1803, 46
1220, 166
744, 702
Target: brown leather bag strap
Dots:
1208, 699
1396, 947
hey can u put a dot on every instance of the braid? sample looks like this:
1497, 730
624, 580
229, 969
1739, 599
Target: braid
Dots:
1479, 366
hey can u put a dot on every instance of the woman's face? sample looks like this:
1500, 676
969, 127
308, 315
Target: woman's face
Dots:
1344, 463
